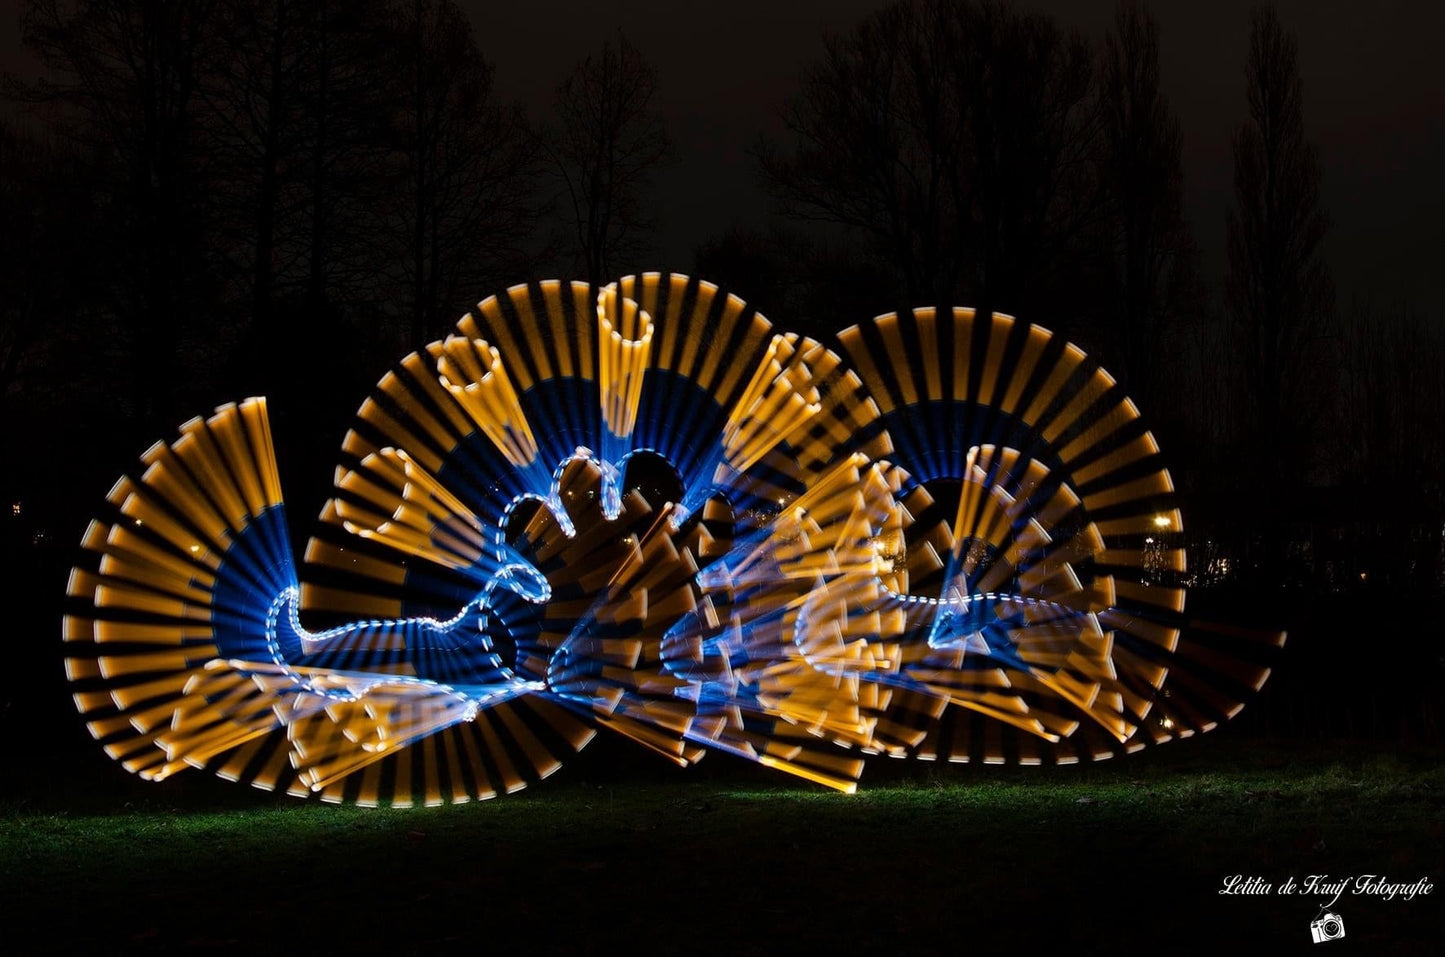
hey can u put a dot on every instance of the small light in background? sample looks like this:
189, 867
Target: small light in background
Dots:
1162, 521
15, 508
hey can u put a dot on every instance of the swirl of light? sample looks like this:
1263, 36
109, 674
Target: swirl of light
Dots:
639, 509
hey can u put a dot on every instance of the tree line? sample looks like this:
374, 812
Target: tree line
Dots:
210, 190
969, 152
219, 196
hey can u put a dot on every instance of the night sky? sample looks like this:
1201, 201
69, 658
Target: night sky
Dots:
1374, 102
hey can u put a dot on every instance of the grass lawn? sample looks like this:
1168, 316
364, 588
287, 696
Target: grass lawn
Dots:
1123, 857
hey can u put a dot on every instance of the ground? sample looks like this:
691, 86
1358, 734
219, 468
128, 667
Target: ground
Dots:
1125, 856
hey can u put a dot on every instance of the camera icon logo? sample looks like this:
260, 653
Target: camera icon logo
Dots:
1328, 927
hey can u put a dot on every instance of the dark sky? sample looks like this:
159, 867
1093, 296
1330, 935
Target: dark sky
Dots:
1374, 107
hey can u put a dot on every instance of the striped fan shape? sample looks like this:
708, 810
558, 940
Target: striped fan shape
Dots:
640, 509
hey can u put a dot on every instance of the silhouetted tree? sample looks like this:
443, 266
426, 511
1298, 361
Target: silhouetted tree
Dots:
347, 159
1385, 442
956, 139
1143, 173
1030, 153
877, 136
299, 154
469, 169
1390, 402
254, 128
292, 120
1279, 288
121, 85
24, 271
608, 144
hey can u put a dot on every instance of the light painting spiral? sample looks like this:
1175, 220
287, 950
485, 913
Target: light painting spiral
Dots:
641, 509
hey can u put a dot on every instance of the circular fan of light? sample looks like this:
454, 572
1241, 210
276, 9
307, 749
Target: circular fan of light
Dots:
503, 589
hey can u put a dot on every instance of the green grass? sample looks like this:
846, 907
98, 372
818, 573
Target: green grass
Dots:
1124, 855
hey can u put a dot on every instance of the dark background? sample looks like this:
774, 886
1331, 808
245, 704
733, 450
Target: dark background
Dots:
207, 201
1374, 96
1236, 209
